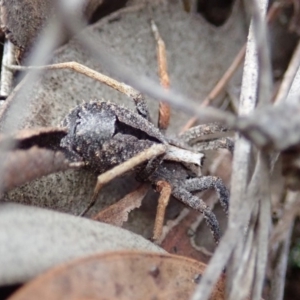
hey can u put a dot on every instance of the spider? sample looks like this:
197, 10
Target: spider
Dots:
112, 140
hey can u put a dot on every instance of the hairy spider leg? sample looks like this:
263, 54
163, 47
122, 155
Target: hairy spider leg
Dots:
192, 135
220, 143
201, 130
198, 204
210, 182
124, 167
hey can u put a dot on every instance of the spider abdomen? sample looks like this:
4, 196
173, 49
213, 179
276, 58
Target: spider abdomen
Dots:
98, 137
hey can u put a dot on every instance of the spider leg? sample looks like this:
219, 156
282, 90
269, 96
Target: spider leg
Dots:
164, 108
198, 204
124, 167
194, 133
209, 182
193, 137
165, 190
151, 166
225, 143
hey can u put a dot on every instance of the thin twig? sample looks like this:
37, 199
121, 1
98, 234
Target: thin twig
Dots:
278, 276
264, 221
79, 68
7, 75
219, 87
242, 271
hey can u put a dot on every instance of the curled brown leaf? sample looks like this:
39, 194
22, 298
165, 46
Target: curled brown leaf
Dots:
117, 214
44, 137
21, 166
121, 275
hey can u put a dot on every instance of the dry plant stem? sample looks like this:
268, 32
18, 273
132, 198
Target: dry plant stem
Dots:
278, 276
39, 55
164, 189
7, 75
289, 76
19, 108
79, 68
242, 155
164, 108
250, 273
239, 210
259, 27
240, 273
126, 166
264, 221
228, 242
248, 98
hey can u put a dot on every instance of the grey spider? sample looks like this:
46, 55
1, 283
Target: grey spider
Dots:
108, 137
112, 140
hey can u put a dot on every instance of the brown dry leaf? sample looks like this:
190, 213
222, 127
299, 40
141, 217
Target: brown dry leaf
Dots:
121, 275
47, 137
21, 166
117, 213
178, 239
32, 154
